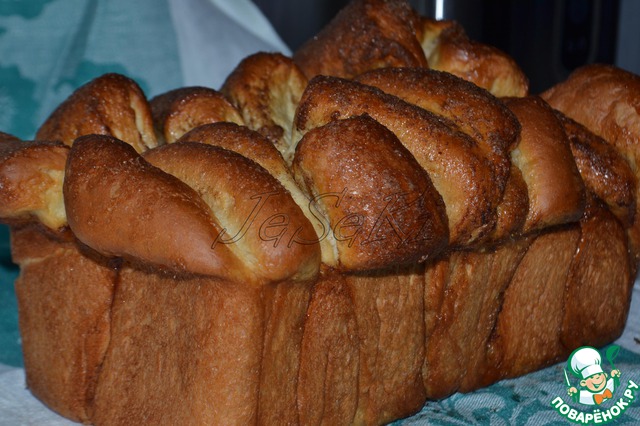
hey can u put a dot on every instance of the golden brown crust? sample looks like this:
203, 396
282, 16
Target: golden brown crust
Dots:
184, 351
108, 105
606, 100
329, 362
462, 299
388, 307
597, 298
260, 222
64, 303
120, 205
363, 347
38, 241
286, 306
365, 35
555, 189
456, 165
266, 88
256, 147
31, 175
603, 169
381, 205
241, 139
180, 110
6, 139
512, 210
473, 110
526, 337
448, 48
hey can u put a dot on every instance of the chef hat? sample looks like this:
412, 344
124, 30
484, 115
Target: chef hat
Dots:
585, 362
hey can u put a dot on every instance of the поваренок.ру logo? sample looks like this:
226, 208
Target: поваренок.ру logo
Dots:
595, 388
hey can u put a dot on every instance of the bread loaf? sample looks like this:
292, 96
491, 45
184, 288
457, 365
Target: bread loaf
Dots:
614, 91
111, 105
65, 294
267, 87
365, 35
458, 168
332, 238
338, 164
448, 48
180, 110
31, 175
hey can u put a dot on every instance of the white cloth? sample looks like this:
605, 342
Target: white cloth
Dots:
18, 407
241, 31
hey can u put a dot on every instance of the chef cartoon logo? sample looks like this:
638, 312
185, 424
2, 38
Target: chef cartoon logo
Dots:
595, 387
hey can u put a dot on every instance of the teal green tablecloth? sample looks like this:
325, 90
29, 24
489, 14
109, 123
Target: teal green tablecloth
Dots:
10, 353
523, 401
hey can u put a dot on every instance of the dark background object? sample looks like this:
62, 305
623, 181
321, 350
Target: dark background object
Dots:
297, 21
547, 38
550, 38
